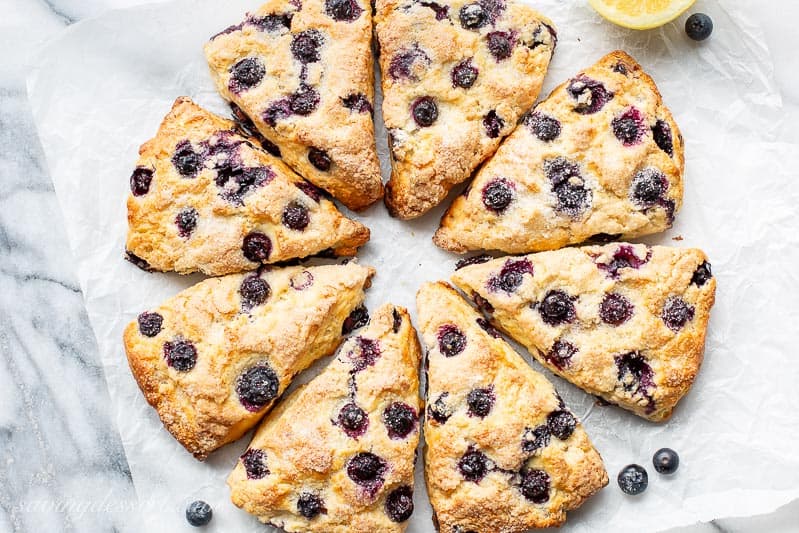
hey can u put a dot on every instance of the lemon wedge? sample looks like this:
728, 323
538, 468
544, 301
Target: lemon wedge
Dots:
640, 14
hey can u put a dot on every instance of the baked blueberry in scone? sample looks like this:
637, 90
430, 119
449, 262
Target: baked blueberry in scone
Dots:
212, 359
338, 454
204, 198
600, 157
503, 453
456, 76
303, 72
626, 322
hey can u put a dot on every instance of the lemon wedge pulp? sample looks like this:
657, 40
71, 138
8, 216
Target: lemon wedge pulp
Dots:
640, 14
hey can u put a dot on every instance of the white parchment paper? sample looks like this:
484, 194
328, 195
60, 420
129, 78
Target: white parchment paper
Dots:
102, 88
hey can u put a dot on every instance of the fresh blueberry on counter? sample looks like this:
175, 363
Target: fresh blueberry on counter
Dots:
199, 513
699, 26
633, 479
666, 461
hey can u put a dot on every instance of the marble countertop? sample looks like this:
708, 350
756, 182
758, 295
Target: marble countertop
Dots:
62, 465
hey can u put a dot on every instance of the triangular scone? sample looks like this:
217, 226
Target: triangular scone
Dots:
503, 453
206, 199
600, 157
622, 321
338, 454
303, 72
212, 359
457, 75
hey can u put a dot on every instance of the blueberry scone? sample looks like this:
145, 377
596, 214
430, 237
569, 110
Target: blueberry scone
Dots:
204, 198
626, 322
456, 77
303, 72
212, 359
503, 452
601, 157
338, 454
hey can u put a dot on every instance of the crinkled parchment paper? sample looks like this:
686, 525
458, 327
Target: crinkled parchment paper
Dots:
102, 87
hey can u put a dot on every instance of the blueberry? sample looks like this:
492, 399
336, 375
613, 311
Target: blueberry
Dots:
357, 102
353, 420
510, 277
137, 261
560, 354
311, 191
253, 291
277, 110
568, 186
661, 133
676, 313
615, 309
180, 354
590, 95
498, 194
624, 257
402, 64
634, 373
256, 247
493, 124
254, 461
395, 327
464, 74
140, 181
666, 461
500, 44
699, 26
272, 22
438, 410
366, 468
399, 504
400, 420
451, 340
357, 318
319, 159
442, 12
480, 402
343, 10
488, 328
150, 324
561, 424
199, 513
295, 216
629, 127
702, 274
620, 68
543, 126
186, 160
473, 465
633, 479
534, 485
557, 308
364, 354
304, 101
648, 187
424, 111
186, 221
305, 46
257, 386
535, 439
473, 16
246, 74
310, 505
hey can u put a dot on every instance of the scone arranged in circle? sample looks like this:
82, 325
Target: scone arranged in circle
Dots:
212, 359
457, 75
302, 71
206, 199
600, 157
338, 454
626, 322
503, 452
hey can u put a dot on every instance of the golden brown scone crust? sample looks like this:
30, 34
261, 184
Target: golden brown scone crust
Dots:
222, 218
523, 403
532, 221
291, 329
344, 67
607, 357
306, 450
428, 161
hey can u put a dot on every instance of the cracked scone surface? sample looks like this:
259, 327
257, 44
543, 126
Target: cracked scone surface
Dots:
338, 454
601, 156
456, 77
622, 321
203, 198
303, 72
503, 453
212, 359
